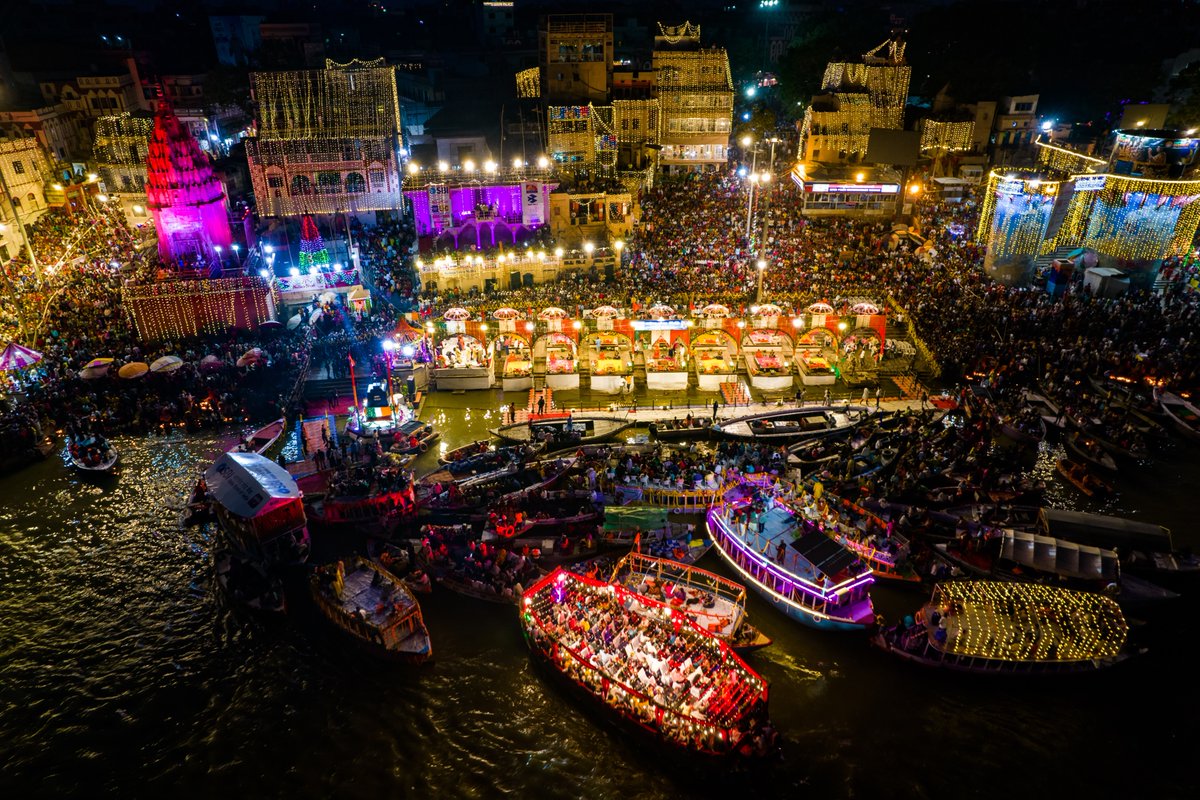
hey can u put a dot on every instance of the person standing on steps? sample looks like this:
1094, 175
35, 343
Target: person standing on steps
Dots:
541, 404
877, 394
715, 407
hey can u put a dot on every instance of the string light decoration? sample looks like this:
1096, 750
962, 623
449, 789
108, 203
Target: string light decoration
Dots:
529, 83
674, 34
120, 149
565, 616
1028, 622
837, 123
1015, 214
313, 253
572, 135
855, 98
1064, 161
946, 136
1142, 219
695, 94
327, 140
172, 308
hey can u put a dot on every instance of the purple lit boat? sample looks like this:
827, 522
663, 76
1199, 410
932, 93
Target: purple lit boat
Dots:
803, 573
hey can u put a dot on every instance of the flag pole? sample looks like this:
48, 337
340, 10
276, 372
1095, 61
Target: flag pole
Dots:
353, 382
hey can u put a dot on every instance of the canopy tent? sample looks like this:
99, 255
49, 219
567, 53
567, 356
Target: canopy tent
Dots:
166, 364
820, 308
553, 312
769, 310
134, 369
864, 308
456, 315
506, 313
96, 368
715, 310
249, 485
661, 311
406, 333
604, 312
14, 356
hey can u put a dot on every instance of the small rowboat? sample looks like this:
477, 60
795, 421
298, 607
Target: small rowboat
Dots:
263, 439
1085, 448
92, 454
466, 451
666, 430
1078, 476
1183, 414
619, 649
377, 609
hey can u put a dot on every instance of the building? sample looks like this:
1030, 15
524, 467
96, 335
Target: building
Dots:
856, 97
287, 43
61, 132
1016, 122
24, 170
120, 152
185, 198
97, 95
494, 21
328, 140
847, 191
575, 53
216, 129
695, 94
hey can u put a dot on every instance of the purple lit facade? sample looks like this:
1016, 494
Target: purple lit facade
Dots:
478, 215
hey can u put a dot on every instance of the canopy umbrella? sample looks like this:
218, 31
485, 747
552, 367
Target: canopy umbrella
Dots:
251, 356
604, 312
96, 368
864, 308
315, 315
166, 364
820, 308
16, 357
769, 310
457, 315
210, 362
506, 313
661, 311
715, 310
134, 369
553, 312
270, 323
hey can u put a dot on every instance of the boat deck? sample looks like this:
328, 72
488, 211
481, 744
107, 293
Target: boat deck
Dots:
722, 619
381, 604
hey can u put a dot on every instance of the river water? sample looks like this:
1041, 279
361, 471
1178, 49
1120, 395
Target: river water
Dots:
123, 669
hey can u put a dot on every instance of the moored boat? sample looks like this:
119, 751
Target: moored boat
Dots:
866, 535
1078, 476
1184, 415
715, 604
465, 452
792, 424
263, 439
997, 628
1085, 448
807, 576
259, 507
373, 606
92, 453
564, 430
680, 430
648, 665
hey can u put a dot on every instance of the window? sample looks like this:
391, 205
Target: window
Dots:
1024, 106
18, 168
637, 123
275, 181
16, 201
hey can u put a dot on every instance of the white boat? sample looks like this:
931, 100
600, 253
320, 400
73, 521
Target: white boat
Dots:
793, 424
92, 454
1183, 414
569, 429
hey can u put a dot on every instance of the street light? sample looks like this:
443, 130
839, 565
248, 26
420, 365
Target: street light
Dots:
443, 166
489, 166
543, 162
762, 267
558, 252
588, 247
468, 165
518, 163
413, 168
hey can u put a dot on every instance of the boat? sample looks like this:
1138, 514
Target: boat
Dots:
563, 430
793, 424
92, 453
1028, 429
378, 416
376, 513
373, 606
1085, 448
1051, 412
1078, 476
715, 604
865, 534
620, 649
1184, 415
680, 430
1143, 547
246, 582
465, 452
262, 439
197, 510
498, 488
808, 576
1000, 628
413, 437
259, 507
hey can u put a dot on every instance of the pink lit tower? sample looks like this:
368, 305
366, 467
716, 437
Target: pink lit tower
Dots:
185, 197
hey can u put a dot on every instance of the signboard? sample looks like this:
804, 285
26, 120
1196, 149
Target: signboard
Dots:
1009, 186
855, 188
439, 206
658, 324
531, 204
1090, 183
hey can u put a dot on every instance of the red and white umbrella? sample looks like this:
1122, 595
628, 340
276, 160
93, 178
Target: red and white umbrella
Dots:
864, 308
506, 313
820, 308
16, 357
553, 312
714, 310
605, 312
661, 312
769, 310
457, 315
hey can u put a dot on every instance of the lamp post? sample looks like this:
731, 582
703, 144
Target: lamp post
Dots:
762, 267
750, 202
389, 345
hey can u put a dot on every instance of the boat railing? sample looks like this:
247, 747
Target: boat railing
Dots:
795, 589
682, 573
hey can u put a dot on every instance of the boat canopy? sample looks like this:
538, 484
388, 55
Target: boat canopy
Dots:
1100, 530
249, 485
1059, 556
826, 555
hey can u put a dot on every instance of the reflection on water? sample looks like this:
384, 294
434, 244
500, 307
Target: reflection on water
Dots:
122, 671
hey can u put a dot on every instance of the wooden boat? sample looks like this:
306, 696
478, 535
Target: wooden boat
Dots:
246, 582
565, 617
499, 488
859, 530
1030, 430
1051, 412
563, 430
714, 604
92, 453
1143, 548
1078, 476
262, 439
1085, 448
793, 424
810, 577
1184, 415
413, 437
377, 609
378, 513
997, 628
466, 452
259, 507
676, 430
